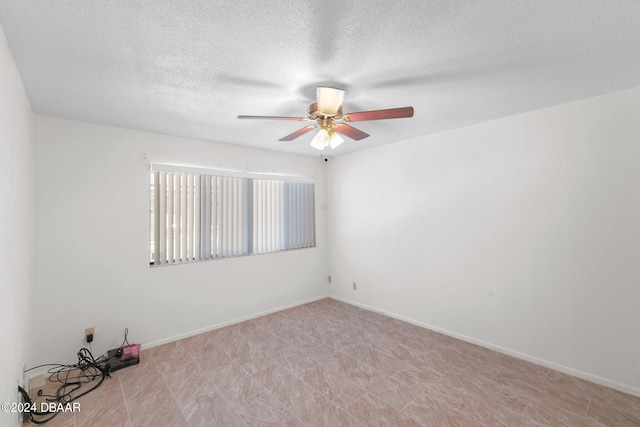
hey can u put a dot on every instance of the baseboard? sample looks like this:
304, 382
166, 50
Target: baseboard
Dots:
229, 322
635, 391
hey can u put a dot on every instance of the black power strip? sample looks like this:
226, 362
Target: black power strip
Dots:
114, 363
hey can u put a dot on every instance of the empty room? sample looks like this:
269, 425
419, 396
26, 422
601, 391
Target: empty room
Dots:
234, 213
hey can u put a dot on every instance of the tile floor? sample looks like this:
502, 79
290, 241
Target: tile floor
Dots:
332, 364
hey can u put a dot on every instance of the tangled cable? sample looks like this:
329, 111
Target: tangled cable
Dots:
71, 378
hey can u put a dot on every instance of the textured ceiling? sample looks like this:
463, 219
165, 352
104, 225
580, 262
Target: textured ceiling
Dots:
189, 67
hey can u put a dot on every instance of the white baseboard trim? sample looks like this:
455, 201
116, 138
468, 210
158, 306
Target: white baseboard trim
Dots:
625, 388
229, 322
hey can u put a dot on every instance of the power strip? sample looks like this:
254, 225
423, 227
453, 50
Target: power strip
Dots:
114, 363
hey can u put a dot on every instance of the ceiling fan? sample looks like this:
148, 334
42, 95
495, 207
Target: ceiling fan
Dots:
326, 112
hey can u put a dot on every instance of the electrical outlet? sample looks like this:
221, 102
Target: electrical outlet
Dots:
329, 279
355, 286
88, 334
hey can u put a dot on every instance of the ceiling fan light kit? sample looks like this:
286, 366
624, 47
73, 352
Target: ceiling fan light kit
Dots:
323, 139
326, 112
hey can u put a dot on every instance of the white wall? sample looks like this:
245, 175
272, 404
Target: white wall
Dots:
92, 224
16, 227
521, 233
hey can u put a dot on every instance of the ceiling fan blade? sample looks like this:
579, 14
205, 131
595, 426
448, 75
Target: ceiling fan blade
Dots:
391, 113
350, 131
299, 119
298, 133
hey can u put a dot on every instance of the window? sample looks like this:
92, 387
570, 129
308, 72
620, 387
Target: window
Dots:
202, 214
282, 216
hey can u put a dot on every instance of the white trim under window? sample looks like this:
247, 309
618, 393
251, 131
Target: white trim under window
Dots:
201, 214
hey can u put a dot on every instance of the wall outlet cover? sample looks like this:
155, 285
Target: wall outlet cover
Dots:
89, 334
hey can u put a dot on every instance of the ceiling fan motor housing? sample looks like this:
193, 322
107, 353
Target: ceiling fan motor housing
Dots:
315, 114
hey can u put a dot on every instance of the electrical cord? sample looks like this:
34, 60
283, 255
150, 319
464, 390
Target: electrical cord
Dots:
124, 341
71, 377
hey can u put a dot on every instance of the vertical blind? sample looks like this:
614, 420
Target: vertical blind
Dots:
196, 216
283, 215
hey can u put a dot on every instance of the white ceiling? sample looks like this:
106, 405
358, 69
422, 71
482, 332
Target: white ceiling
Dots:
189, 67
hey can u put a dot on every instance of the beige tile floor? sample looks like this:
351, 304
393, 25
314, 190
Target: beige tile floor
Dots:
332, 364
